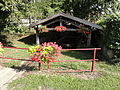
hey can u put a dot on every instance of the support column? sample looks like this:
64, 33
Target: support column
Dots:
60, 23
30, 22
37, 38
89, 40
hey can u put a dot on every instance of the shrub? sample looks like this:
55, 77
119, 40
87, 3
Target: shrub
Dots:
112, 33
45, 52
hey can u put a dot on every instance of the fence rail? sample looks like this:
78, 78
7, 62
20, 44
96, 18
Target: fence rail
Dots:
93, 60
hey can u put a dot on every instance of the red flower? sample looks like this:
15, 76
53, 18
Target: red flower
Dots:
79, 30
46, 52
46, 31
1, 44
60, 28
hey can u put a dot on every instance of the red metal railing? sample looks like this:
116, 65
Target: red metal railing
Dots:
16, 58
93, 60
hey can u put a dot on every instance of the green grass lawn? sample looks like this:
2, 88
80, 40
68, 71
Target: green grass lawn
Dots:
14, 53
104, 81
105, 77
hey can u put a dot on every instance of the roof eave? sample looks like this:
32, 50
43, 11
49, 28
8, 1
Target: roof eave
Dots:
71, 17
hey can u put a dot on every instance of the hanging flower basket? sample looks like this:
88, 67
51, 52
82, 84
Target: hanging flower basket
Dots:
1, 48
45, 53
60, 28
42, 28
84, 32
83, 29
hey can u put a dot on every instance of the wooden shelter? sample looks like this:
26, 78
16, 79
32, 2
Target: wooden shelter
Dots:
70, 22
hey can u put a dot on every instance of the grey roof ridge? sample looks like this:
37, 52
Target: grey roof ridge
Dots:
71, 17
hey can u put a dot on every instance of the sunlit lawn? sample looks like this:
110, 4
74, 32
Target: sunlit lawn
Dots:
105, 77
102, 81
14, 53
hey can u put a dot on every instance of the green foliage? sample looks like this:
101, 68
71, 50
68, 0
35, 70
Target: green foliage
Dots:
111, 31
33, 49
45, 52
11, 16
88, 9
12, 11
42, 9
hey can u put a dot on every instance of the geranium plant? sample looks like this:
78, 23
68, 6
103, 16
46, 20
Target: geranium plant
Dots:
45, 53
1, 48
60, 28
83, 29
41, 28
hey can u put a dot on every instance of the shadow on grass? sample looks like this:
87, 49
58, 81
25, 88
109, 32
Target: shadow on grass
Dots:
79, 54
44, 37
4, 40
30, 40
26, 68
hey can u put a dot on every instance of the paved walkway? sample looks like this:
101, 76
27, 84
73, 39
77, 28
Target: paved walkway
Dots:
7, 75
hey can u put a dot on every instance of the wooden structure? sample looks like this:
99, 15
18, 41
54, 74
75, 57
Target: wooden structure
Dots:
70, 22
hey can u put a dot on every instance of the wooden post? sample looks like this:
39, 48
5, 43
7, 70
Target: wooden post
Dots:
37, 38
60, 22
30, 22
89, 40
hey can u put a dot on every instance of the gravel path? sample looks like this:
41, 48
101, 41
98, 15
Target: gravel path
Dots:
7, 75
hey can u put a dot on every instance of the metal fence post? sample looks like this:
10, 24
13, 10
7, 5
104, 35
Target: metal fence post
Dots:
48, 65
93, 61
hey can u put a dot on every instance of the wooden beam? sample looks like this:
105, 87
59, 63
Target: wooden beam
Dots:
68, 21
68, 29
61, 22
76, 24
89, 40
57, 20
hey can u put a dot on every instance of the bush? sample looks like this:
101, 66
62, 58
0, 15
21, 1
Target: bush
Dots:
111, 33
45, 52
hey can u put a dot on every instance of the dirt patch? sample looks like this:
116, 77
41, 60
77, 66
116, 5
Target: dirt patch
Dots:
30, 72
84, 76
89, 76
44, 88
31, 68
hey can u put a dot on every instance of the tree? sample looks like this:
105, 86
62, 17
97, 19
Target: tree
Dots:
90, 10
11, 16
111, 31
12, 11
43, 8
